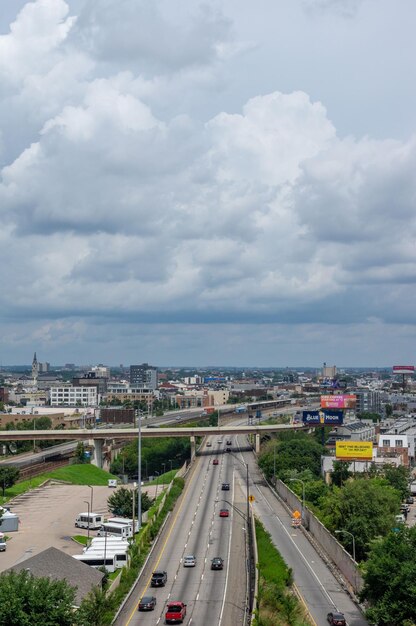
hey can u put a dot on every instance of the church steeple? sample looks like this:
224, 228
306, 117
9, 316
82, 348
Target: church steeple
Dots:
35, 368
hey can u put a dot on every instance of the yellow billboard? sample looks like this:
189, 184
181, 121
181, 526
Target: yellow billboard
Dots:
354, 450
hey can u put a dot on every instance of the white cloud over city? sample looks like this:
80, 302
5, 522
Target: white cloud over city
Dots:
157, 206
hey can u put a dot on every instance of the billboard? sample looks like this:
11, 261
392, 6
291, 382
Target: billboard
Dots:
340, 401
324, 418
403, 369
354, 450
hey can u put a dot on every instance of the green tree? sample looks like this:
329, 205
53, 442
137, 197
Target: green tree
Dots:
340, 473
398, 477
389, 579
365, 508
389, 410
29, 601
121, 502
93, 609
80, 455
9, 474
298, 452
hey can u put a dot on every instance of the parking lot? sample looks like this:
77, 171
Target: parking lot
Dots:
47, 518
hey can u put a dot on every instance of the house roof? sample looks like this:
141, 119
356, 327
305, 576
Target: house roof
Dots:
57, 565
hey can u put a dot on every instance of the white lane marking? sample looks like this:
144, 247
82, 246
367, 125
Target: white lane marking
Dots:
315, 575
197, 597
202, 577
228, 557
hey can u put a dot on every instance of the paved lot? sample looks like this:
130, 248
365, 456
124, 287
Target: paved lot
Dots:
47, 518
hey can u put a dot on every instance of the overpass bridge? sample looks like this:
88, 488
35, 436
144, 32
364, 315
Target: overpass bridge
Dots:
101, 439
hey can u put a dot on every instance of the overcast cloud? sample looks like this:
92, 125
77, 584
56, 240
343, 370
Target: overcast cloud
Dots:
228, 184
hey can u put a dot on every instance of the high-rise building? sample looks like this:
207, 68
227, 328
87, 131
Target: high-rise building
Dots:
143, 376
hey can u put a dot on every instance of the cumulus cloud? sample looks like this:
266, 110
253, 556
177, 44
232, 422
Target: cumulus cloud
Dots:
115, 205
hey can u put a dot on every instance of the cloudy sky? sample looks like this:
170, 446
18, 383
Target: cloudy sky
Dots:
208, 182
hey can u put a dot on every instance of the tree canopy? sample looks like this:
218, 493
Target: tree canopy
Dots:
390, 579
120, 502
155, 452
298, 452
366, 508
29, 601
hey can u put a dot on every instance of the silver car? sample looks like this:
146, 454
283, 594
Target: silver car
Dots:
189, 561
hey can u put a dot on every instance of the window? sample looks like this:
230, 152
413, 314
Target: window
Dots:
386, 443
399, 443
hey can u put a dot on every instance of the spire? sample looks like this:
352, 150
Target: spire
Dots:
34, 358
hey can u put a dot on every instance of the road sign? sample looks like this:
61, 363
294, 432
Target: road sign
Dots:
296, 514
251, 498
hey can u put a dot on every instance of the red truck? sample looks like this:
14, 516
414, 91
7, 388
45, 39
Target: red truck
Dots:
175, 613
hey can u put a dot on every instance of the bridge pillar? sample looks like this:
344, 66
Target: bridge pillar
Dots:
257, 444
97, 454
193, 446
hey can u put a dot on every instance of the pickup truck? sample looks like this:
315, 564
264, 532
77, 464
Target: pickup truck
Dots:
175, 613
159, 579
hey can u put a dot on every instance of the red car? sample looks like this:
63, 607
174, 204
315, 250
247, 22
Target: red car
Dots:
224, 513
175, 613
215, 462
336, 619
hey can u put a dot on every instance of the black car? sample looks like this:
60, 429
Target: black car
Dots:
225, 487
217, 563
336, 619
228, 449
228, 442
147, 603
159, 579
410, 500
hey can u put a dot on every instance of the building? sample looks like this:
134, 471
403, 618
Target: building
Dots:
392, 445
74, 396
35, 369
143, 376
368, 401
100, 371
57, 565
91, 379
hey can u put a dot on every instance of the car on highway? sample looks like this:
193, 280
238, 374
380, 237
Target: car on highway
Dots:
189, 561
225, 487
175, 613
228, 449
147, 603
228, 442
219, 440
224, 513
159, 579
215, 462
217, 563
209, 444
336, 618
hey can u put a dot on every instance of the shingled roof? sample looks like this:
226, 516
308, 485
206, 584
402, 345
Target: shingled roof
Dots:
57, 565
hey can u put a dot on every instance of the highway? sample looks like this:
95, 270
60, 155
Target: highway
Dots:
195, 528
320, 590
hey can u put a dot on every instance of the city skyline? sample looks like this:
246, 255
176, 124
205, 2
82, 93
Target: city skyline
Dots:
223, 184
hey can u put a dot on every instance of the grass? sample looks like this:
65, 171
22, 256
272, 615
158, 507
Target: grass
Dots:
164, 479
85, 474
80, 539
277, 604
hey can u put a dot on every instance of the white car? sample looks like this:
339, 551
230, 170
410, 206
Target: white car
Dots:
189, 561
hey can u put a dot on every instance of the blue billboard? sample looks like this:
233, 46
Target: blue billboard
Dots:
325, 418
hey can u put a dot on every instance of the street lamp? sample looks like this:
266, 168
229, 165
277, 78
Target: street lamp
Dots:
92, 496
164, 467
248, 534
347, 532
139, 475
88, 528
170, 461
157, 481
299, 480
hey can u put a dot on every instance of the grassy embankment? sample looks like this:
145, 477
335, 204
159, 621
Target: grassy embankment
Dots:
277, 603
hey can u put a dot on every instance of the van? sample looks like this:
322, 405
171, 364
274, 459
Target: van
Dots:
2, 545
89, 520
112, 482
400, 519
115, 530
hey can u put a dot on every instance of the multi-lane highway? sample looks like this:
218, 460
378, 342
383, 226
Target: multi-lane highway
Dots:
196, 528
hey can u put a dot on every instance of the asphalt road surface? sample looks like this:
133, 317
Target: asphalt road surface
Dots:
195, 528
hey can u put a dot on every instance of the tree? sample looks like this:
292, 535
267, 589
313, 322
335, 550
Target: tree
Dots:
298, 452
93, 608
9, 474
365, 508
389, 579
389, 410
340, 473
80, 455
29, 601
398, 477
121, 502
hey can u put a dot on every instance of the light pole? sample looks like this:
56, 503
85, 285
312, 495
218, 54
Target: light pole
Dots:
347, 532
170, 461
242, 462
164, 467
299, 480
88, 529
139, 475
157, 480
34, 428
92, 496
